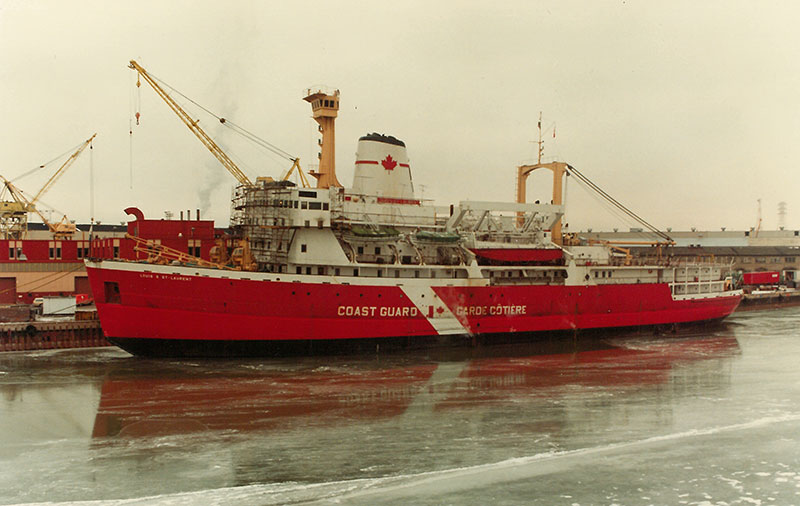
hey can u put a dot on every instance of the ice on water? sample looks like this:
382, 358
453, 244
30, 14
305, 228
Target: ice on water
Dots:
708, 417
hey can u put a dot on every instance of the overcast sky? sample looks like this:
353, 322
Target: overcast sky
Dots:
687, 112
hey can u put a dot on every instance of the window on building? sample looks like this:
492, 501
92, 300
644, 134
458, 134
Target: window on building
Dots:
361, 250
303, 248
377, 250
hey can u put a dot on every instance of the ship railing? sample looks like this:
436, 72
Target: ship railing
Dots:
671, 261
697, 287
639, 261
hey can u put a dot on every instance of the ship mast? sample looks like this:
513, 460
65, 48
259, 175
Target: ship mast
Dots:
558, 168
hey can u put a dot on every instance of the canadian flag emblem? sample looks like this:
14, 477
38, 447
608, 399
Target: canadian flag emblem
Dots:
389, 163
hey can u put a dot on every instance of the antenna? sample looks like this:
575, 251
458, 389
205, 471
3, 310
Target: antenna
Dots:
541, 142
758, 224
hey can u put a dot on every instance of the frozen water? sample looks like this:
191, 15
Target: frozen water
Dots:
702, 418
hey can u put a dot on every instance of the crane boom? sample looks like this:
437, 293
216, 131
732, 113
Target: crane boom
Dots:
23, 204
193, 125
61, 170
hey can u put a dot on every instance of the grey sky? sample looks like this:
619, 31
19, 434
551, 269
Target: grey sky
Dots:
687, 112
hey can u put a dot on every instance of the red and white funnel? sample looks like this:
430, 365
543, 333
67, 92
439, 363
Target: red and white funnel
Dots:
382, 168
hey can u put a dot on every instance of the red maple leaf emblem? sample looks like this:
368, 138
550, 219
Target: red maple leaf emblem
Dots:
388, 163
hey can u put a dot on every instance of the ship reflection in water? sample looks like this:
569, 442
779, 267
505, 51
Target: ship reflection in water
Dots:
321, 420
706, 417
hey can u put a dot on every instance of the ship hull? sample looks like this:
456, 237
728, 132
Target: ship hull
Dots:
174, 310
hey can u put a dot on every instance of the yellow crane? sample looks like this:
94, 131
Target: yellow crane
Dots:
193, 125
57, 174
14, 212
302, 175
208, 142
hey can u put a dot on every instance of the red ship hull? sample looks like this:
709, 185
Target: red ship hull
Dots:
151, 312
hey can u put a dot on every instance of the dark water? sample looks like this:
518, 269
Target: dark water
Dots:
710, 417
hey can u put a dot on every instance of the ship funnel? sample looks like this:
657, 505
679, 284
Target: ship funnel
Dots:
382, 168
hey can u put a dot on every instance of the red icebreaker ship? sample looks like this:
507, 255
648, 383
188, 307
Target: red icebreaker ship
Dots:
318, 269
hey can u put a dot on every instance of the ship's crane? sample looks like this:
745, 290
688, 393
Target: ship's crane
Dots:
303, 179
14, 213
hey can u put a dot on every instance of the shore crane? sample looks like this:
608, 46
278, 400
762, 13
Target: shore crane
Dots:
208, 142
14, 212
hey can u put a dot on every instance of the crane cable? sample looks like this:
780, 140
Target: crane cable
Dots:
236, 128
134, 108
42, 166
91, 189
585, 180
